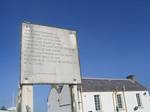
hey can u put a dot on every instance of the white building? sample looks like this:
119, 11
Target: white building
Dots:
106, 95
11, 109
114, 95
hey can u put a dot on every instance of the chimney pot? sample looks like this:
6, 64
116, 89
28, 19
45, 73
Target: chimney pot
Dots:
131, 77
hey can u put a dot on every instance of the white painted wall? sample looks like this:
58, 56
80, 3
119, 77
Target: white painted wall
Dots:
66, 100
60, 102
107, 99
107, 104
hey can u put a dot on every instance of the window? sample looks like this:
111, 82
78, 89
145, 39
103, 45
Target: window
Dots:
97, 102
119, 101
139, 103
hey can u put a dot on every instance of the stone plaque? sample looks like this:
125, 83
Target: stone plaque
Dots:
49, 55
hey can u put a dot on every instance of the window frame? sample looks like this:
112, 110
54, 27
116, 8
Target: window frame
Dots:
138, 100
120, 103
97, 102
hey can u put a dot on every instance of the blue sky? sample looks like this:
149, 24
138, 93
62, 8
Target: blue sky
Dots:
113, 35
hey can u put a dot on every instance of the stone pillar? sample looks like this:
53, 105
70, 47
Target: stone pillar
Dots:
76, 99
27, 98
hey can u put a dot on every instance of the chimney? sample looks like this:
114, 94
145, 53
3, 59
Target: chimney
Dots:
131, 77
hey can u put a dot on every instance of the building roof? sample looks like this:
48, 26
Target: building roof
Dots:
107, 85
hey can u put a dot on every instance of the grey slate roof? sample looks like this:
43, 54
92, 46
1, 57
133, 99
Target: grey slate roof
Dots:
107, 85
